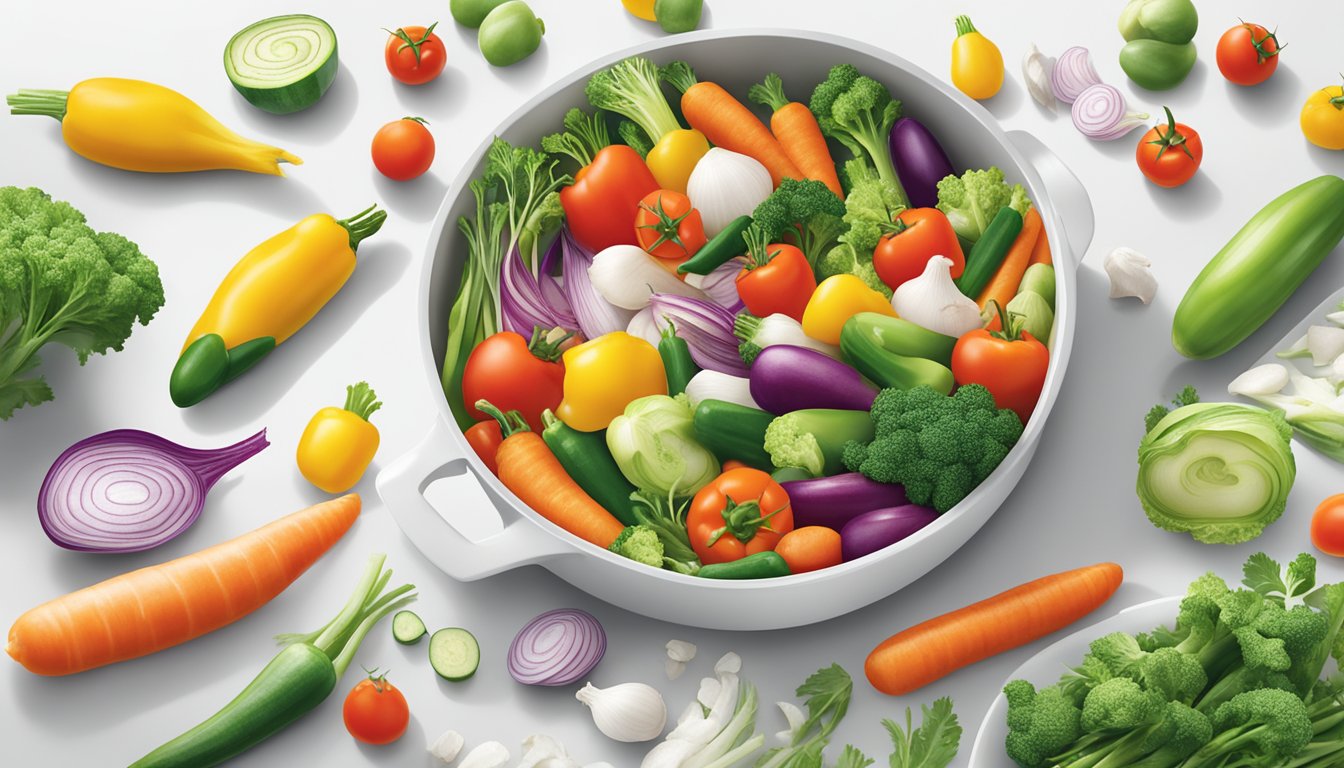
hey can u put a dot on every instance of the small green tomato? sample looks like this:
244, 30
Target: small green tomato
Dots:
510, 33
678, 15
470, 13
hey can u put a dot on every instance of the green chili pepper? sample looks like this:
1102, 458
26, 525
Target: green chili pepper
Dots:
719, 249
585, 457
893, 352
677, 360
732, 431
762, 565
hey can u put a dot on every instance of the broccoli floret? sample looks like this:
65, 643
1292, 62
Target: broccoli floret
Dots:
815, 439
1256, 728
807, 211
584, 136
858, 111
939, 448
641, 544
973, 199
634, 137
631, 88
1172, 675
61, 282
843, 260
1184, 730
1119, 704
1080, 680
1040, 723
870, 208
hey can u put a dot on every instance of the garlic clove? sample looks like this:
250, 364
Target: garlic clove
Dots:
1036, 68
731, 663
446, 748
629, 712
491, 754
680, 650
674, 668
710, 688
1129, 274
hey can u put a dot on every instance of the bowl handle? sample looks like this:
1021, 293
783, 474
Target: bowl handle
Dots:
1067, 194
402, 489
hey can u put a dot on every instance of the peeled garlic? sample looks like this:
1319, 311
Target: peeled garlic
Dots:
1036, 68
627, 712
447, 747
679, 652
491, 754
1129, 275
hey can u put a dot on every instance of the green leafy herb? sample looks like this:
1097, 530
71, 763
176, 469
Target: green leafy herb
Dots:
933, 745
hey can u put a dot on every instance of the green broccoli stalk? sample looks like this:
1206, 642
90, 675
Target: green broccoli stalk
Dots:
631, 88
640, 543
1123, 724
806, 212
815, 439
634, 137
858, 111
938, 447
61, 282
973, 199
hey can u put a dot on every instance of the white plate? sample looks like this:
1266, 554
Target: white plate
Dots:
1045, 668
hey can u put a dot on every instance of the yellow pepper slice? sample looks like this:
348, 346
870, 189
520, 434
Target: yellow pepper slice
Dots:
339, 443
602, 376
837, 299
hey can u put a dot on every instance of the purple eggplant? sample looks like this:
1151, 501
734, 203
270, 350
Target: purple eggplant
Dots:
834, 501
785, 378
919, 160
881, 528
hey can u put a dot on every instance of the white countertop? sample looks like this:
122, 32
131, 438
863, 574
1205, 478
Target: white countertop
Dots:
1076, 504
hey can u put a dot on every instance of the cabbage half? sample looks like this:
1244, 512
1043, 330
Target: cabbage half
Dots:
654, 444
1219, 471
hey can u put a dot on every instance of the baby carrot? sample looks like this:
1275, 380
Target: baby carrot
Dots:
1041, 253
1003, 285
796, 129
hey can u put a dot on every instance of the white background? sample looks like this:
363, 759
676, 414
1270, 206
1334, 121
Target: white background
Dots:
1075, 505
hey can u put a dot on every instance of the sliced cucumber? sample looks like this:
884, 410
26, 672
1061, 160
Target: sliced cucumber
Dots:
407, 628
454, 653
282, 64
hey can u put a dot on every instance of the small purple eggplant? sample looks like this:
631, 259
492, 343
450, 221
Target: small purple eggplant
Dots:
881, 528
786, 378
834, 501
919, 160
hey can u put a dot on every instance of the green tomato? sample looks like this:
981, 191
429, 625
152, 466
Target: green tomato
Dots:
1169, 21
510, 33
678, 15
1156, 65
470, 13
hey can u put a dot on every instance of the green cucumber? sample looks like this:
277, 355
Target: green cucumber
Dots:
282, 64
989, 251
454, 653
407, 628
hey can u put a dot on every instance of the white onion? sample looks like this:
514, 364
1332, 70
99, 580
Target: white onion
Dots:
725, 185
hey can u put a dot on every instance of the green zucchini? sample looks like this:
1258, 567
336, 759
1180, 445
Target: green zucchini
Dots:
989, 251
1260, 267
282, 64
732, 431
454, 653
762, 565
407, 628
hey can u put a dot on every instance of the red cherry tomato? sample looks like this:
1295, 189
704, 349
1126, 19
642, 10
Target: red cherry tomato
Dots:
1169, 155
415, 55
668, 227
777, 279
403, 149
375, 712
1327, 526
514, 374
1248, 54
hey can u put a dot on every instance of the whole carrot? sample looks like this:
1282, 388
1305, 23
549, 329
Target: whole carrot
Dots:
529, 469
727, 123
1003, 285
797, 131
160, 606
911, 659
1041, 253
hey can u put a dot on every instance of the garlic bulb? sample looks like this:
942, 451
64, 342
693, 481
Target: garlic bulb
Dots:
724, 185
491, 754
934, 302
447, 747
1129, 275
1036, 67
627, 712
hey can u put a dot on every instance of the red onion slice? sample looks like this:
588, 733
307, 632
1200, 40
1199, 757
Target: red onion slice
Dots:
1101, 113
128, 490
557, 648
1073, 73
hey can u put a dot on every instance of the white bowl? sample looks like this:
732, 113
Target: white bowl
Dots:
735, 59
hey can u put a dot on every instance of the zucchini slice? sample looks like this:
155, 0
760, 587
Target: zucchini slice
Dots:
407, 628
282, 64
454, 653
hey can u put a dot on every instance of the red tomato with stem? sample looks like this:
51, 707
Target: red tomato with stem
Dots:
1010, 363
741, 512
414, 55
776, 279
1169, 155
403, 149
514, 373
668, 227
1248, 54
1327, 526
375, 712
917, 235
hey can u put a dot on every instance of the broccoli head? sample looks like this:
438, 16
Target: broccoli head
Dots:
641, 544
1182, 731
858, 111
1167, 672
1261, 727
807, 211
62, 282
938, 447
1041, 724
844, 260
1120, 704
973, 199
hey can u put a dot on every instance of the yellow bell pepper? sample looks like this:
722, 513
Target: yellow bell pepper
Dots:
268, 296
642, 9
674, 157
339, 443
602, 376
139, 126
837, 299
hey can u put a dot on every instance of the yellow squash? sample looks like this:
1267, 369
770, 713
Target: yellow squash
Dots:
977, 64
339, 443
602, 376
837, 299
1323, 118
268, 296
140, 126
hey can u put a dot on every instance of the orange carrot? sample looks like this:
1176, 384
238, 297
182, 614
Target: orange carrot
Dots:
912, 659
732, 464
796, 129
160, 606
529, 469
1041, 253
1003, 286
727, 123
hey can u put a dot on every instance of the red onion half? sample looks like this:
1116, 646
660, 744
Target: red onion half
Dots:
128, 490
1101, 113
557, 648
1073, 74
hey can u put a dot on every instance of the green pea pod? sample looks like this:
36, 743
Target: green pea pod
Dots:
732, 431
1039, 279
1256, 272
722, 247
677, 362
586, 459
1156, 65
1169, 21
762, 565
892, 352
206, 365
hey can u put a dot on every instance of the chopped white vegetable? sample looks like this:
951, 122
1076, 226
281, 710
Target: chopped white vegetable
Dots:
713, 385
446, 748
1265, 379
1036, 68
491, 754
680, 650
1130, 276
539, 750
1325, 343
1336, 317
710, 688
674, 669
795, 718
626, 277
